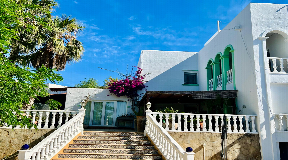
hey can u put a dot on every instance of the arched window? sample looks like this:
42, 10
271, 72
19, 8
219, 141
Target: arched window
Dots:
218, 71
209, 68
230, 60
227, 67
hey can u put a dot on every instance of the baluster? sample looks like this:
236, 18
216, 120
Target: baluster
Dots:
247, 124
40, 119
281, 65
185, 122
47, 119
234, 124
241, 124
191, 123
67, 116
274, 65
216, 123
38, 155
53, 120
161, 120
47, 149
197, 124
229, 124
280, 122
34, 116
51, 146
210, 123
60, 119
253, 124
33, 156
42, 150
179, 122
173, 122
221, 123
167, 121
204, 123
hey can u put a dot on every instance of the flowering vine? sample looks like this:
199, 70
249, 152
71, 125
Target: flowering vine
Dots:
128, 85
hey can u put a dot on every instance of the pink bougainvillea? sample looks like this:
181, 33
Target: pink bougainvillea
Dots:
128, 85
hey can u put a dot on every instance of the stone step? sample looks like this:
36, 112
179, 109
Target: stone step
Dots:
113, 137
85, 141
111, 151
113, 133
111, 156
115, 146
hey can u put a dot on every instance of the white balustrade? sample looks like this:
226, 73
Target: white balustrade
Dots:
281, 121
188, 122
169, 148
229, 76
278, 65
46, 119
52, 144
219, 80
210, 84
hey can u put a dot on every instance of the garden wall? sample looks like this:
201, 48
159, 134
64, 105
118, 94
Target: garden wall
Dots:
239, 146
12, 140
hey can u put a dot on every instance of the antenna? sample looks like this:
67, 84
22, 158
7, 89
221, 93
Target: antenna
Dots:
218, 23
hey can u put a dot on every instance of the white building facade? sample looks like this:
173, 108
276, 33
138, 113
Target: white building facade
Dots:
249, 55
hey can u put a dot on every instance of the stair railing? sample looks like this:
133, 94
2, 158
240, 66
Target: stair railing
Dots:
168, 147
52, 144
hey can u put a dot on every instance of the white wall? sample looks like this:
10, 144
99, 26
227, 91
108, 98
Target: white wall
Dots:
172, 79
243, 60
157, 62
279, 94
76, 95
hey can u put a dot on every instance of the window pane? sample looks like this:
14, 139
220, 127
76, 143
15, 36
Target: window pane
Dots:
109, 111
190, 78
87, 113
97, 113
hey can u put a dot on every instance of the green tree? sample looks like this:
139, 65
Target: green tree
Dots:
39, 39
90, 83
17, 86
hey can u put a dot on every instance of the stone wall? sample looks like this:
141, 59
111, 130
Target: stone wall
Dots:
12, 140
239, 146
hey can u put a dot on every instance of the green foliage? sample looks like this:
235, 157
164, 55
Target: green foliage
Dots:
90, 83
18, 85
33, 37
167, 110
53, 104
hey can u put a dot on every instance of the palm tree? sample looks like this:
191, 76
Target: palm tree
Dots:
52, 46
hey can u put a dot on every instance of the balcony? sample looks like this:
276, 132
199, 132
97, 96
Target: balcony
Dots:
278, 69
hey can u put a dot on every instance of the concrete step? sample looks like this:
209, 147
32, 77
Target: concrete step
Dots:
115, 146
110, 156
99, 133
95, 137
111, 151
85, 141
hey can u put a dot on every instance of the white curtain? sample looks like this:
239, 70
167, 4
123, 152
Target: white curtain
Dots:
121, 108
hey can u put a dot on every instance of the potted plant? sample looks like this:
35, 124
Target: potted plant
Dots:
168, 110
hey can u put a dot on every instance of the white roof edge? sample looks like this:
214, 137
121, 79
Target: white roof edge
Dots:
167, 51
215, 34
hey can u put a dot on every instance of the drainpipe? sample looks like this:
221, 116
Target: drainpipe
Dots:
204, 151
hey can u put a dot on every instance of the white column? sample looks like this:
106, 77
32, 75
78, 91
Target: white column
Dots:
40, 119
216, 123
53, 120
197, 124
185, 122
47, 119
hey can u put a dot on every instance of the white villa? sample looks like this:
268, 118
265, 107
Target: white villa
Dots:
245, 64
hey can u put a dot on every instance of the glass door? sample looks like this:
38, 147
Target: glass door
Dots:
103, 114
97, 113
109, 114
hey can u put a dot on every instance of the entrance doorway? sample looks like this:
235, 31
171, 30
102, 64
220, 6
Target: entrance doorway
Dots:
99, 113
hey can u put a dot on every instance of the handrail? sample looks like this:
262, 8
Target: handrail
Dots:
169, 148
52, 144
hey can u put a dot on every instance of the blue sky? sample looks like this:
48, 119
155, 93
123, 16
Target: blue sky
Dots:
117, 30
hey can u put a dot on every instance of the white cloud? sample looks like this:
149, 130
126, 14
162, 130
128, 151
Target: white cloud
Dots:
131, 18
76, 2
